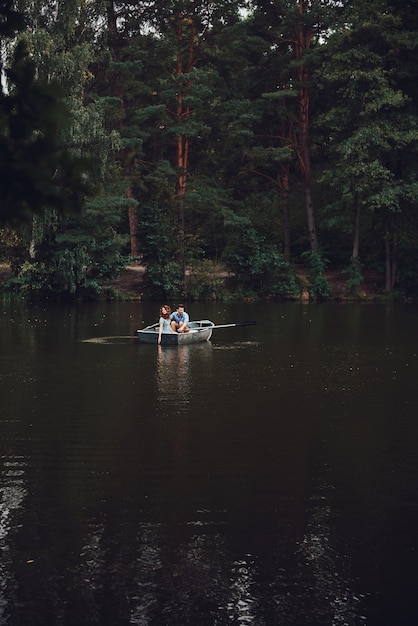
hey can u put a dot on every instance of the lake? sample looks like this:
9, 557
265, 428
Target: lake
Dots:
268, 477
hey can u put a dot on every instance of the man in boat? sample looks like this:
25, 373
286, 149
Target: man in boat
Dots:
180, 320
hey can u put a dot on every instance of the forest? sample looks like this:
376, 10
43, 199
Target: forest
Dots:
265, 141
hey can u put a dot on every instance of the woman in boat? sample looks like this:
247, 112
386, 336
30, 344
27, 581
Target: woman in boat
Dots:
164, 321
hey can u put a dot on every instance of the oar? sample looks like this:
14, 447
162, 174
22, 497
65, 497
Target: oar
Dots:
236, 324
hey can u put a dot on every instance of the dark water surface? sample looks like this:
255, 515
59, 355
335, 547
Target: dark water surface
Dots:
266, 478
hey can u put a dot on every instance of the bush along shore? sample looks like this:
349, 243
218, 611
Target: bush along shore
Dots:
131, 284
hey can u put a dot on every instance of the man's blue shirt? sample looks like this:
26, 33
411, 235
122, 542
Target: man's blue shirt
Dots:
184, 317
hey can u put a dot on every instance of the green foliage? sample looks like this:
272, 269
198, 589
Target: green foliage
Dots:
69, 272
258, 267
354, 278
207, 281
162, 282
32, 278
371, 131
11, 21
163, 276
319, 288
64, 256
117, 110
36, 168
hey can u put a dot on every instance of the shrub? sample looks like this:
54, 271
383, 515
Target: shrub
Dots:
319, 288
355, 278
259, 267
206, 282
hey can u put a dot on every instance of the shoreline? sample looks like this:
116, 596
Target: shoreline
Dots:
128, 285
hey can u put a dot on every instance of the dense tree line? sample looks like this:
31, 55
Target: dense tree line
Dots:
258, 136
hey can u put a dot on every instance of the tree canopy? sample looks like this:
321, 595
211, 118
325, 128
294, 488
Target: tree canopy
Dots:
254, 135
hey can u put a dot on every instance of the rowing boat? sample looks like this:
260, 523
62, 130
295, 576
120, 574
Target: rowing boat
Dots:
200, 330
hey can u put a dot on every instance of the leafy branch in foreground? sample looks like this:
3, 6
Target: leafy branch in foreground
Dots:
37, 171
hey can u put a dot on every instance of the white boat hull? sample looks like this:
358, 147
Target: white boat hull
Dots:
200, 330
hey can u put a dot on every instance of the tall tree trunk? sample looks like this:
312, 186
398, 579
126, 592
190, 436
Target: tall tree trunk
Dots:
33, 239
118, 90
111, 21
394, 266
185, 64
133, 226
388, 265
302, 44
286, 211
287, 141
356, 234
182, 159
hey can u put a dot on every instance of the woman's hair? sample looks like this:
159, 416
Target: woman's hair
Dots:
167, 313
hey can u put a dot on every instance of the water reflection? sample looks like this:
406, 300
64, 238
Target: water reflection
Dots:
329, 570
13, 492
173, 376
266, 478
242, 606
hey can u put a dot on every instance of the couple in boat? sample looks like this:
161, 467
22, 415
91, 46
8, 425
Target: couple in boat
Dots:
176, 322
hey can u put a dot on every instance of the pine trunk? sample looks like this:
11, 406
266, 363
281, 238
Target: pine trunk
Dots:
356, 234
286, 211
133, 227
302, 44
388, 265
185, 64
394, 266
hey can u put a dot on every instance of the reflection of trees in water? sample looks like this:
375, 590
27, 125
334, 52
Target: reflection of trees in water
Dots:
173, 397
13, 492
161, 571
154, 559
173, 376
326, 570
177, 369
157, 581
242, 605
